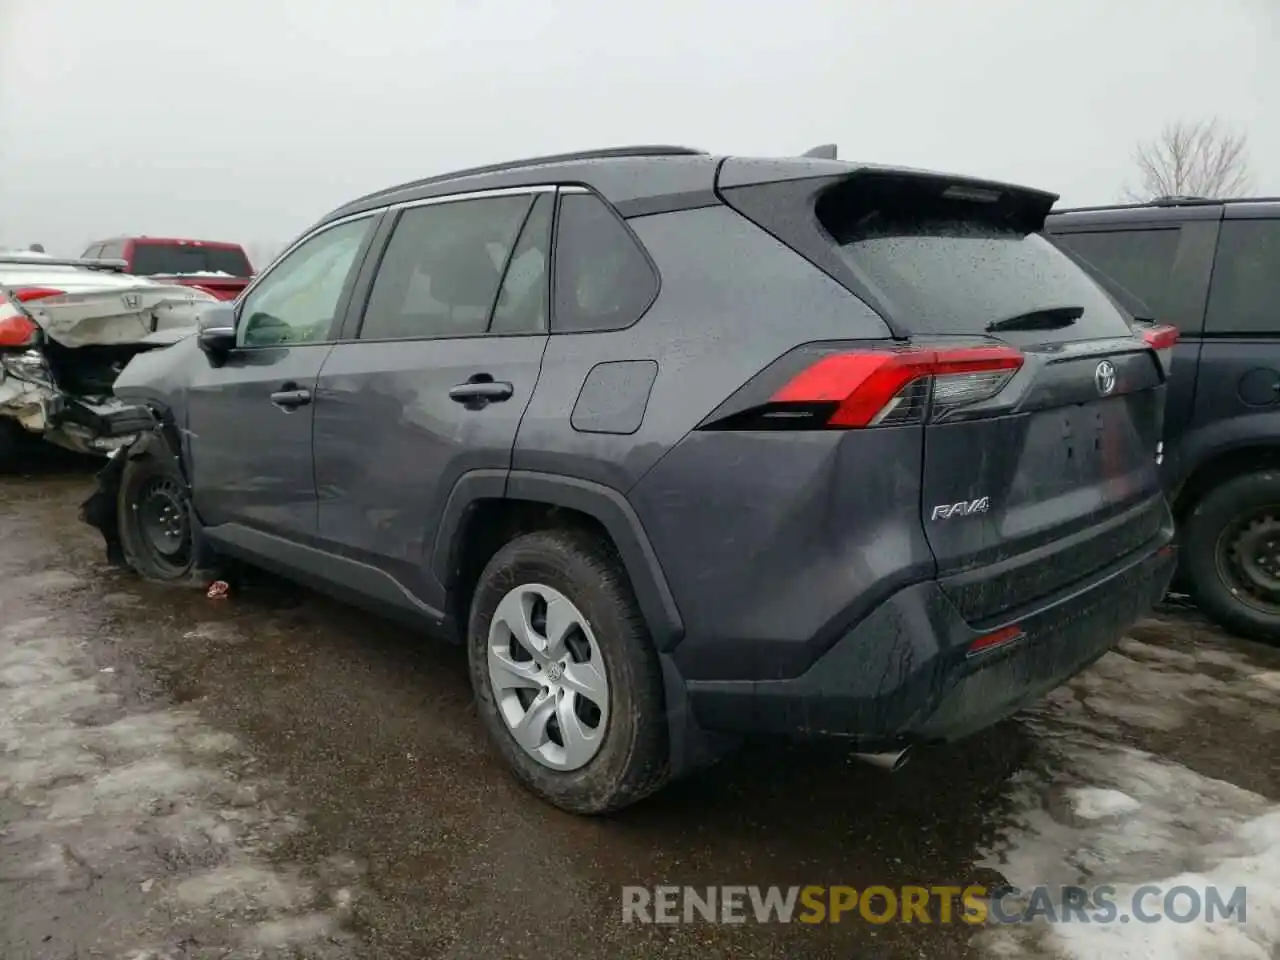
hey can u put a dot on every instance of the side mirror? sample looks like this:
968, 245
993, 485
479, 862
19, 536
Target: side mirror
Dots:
216, 331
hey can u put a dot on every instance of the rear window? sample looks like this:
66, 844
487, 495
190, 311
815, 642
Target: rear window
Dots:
954, 269
177, 258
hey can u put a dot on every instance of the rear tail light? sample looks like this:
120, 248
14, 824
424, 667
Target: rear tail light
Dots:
16, 328
881, 387
1161, 339
30, 294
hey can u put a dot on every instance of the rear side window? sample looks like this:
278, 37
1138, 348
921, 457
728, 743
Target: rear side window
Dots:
92, 253
603, 279
522, 300
113, 251
1244, 296
1140, 261
956, 272
178, 258
439, 276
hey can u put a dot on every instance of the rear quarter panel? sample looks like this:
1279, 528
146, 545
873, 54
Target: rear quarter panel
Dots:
732, 300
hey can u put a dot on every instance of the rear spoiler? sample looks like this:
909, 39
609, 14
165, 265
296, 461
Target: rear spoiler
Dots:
115, 266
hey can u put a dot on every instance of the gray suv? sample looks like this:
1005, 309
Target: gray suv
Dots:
682, 447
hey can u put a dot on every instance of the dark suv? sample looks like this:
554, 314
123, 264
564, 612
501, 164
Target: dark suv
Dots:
1211, 268
682, 447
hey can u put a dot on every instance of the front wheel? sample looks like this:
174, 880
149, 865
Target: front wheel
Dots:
155, 519
565, 676
1231, 548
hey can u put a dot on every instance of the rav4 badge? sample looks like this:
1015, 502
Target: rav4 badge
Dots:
946, 511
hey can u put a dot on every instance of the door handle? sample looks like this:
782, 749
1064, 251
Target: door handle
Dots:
291, 397
479, 393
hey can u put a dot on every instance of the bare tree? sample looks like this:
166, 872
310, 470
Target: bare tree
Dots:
1192, 158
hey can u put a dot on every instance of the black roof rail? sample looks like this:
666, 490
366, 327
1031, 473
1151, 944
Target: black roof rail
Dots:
606, 153
1179, 199
1171, 201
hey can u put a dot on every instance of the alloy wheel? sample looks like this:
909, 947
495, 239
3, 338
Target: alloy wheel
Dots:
548, 677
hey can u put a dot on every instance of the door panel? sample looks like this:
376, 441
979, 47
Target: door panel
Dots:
391, 442
429, 391
251, 459
249, 420
1239, 371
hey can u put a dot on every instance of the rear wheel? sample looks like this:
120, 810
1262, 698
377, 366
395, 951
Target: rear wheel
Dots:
565, 676
1231, 551
155, 520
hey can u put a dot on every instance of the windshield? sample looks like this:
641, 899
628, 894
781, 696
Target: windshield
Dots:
958, 277
175, 258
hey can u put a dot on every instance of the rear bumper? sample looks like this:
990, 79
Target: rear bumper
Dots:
903, 674
75, 423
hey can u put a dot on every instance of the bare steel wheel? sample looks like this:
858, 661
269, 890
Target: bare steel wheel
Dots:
548, 676
1231, 554
1248, 557
163, 521
154, 519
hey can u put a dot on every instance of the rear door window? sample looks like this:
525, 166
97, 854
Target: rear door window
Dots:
603, 278
113, 251
440, 274
1140, 261
522, 301
1244, 296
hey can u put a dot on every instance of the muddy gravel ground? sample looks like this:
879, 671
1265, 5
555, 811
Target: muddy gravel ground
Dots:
277, 775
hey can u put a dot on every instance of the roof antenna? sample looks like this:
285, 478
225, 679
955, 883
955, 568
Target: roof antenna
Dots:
825, 152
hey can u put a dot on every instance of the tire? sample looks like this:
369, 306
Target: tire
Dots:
630, 740
1224, 539
149, 483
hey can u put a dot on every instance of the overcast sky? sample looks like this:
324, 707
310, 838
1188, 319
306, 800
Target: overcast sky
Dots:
248, 119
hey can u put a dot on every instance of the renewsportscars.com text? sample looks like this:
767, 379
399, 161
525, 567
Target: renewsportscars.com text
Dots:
973, 904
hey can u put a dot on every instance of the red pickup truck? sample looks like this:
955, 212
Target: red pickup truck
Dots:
221, 269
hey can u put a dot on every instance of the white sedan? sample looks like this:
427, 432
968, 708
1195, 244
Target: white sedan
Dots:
67, 329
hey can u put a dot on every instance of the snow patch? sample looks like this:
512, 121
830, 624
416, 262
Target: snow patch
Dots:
158, 800
1087, 810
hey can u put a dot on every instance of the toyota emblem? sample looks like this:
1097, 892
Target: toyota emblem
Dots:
1104, 376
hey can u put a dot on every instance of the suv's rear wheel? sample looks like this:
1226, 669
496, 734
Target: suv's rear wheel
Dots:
1231, 552
564, 674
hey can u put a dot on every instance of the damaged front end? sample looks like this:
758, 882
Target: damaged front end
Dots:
62, 350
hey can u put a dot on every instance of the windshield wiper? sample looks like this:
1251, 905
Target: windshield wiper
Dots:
1053, 318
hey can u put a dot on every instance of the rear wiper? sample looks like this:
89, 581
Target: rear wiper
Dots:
1053, 318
